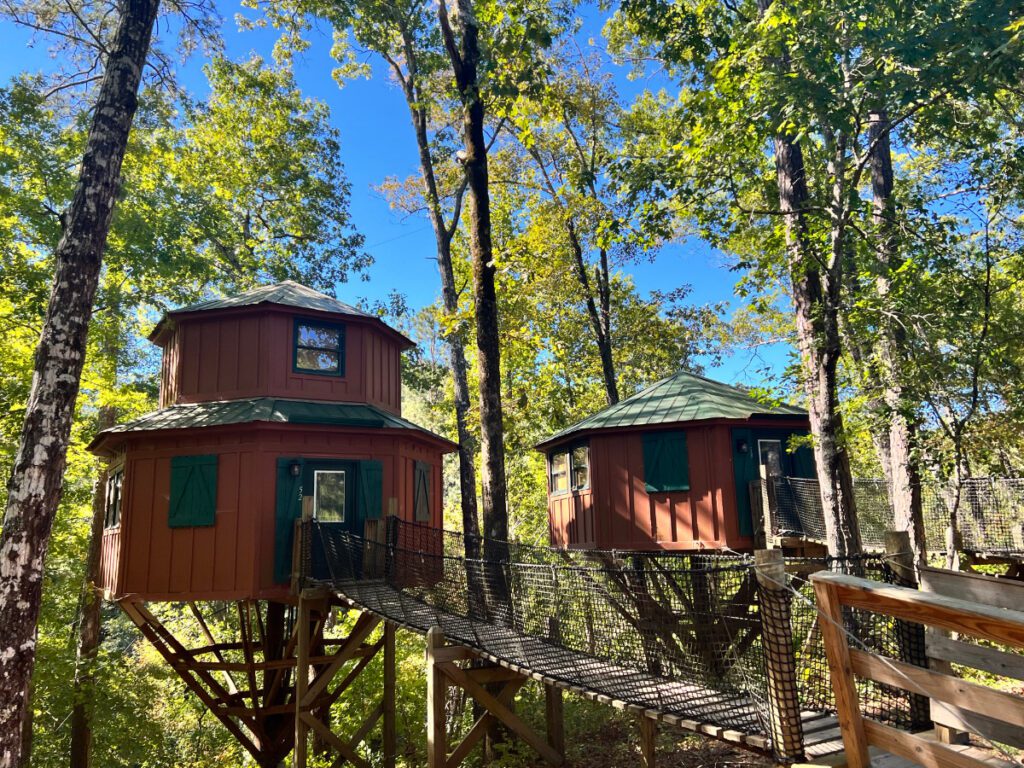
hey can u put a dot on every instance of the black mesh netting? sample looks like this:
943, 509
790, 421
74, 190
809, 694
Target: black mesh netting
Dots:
682, 634
989, 511
868, 631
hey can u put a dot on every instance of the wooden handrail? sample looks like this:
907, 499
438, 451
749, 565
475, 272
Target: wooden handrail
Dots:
999, 625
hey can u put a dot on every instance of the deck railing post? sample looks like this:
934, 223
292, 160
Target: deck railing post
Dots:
910, 637
780, 659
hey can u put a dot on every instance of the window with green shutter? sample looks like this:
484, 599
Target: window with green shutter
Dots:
193, 491
421, 491
666, 463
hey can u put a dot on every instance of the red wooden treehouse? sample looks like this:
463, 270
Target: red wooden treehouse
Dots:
670, 468
277, 404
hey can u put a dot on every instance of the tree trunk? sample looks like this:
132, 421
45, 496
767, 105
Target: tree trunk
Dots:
816, 301
904, 478
456, 340
89, 607
465, 57
816, 304
599, 318
35, 486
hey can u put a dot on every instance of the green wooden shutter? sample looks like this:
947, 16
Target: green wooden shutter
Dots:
666, 462
193, 491
803, 462
421, 491
744, 470
371, 489
289, 509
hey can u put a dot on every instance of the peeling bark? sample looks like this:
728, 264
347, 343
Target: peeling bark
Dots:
34, 488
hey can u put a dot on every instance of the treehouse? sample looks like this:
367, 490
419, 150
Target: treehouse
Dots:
275, 404
670, 468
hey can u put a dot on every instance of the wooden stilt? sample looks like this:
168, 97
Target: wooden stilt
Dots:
553, 706
443, 670
648, 740
389, 696
437, 689
304, 620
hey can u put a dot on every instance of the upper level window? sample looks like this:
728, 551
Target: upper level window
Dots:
115, 482
319, 348
570, 470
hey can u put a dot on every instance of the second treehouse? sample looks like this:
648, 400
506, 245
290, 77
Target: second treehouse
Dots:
276, 405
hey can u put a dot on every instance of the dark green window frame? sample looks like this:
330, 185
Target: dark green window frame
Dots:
296, 347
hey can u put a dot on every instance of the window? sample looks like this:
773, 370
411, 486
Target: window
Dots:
329, 495
421, 491
580, 467
559, 472
666, 462
570, 470
112, 514
319, 348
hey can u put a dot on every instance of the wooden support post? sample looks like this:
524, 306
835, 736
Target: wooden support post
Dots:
787, 731
769, 504
388, 725
303, 624
833, 630
437, 687
909, 636
553, 704
648, 740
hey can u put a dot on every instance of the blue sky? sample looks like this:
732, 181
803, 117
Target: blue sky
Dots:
377, 142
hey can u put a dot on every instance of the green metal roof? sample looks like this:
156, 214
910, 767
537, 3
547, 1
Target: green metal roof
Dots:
269, 409
677, 399
289, 293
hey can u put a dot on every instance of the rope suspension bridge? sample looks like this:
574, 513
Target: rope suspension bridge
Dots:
723, 645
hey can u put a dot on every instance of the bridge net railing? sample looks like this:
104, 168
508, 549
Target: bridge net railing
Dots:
989, 512
677, 633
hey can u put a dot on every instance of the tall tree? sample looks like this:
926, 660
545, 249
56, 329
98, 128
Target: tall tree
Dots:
35, 485
462, 43
569, 134
405, 36
750, 82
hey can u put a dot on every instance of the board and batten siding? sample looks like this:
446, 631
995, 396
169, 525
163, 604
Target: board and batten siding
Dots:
617, 512
247, 353
234, 558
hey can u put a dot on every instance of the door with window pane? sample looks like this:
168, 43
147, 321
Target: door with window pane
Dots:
329, 492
